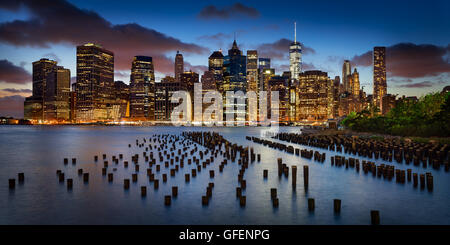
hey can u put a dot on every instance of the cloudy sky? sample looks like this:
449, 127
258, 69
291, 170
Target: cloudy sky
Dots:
416, 34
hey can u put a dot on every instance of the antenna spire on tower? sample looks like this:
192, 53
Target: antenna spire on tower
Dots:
295, 32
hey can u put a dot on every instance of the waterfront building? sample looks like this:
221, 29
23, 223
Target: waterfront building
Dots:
57, 95
163, 95
379, 76
142, 89
314, 97
95, 82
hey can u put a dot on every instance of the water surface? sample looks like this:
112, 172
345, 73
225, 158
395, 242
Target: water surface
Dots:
38, 151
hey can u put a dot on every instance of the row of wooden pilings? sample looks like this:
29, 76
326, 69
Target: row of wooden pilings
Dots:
386, 171
389, 149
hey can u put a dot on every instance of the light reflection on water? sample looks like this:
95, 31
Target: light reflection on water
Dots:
38, 151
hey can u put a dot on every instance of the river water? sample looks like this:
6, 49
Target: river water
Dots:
38, 151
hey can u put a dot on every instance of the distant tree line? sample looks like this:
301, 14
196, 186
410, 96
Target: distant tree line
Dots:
429, 116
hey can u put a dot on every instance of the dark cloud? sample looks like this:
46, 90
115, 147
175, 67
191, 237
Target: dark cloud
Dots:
410, 60
52, 56
200, 69
15, 91
280, 49
233, 11
218, 37
12, 106
10, 73
309, 67
59, 21
424, 84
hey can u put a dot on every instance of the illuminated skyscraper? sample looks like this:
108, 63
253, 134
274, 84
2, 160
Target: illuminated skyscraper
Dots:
252, 70
34, 105
215, 65
379, 76
95, 83
263, 63
346, 71
164, 92
355, 84
57, 95
315, 96
235, 70
142, 88
295, 56
187, 81
179, 66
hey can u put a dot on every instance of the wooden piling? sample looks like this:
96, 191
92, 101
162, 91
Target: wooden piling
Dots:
86, 177
69, 184
21, 177
126, 184
238, 192
375, 217
167, 200
337, 205
311, 205
273, 193
305, 176
242, 201
12, 183
174, 191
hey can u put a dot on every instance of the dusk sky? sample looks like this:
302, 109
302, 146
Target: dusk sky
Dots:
416, 34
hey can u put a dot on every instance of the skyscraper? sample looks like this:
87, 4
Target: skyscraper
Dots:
179, 66
215, 65
95, 83
355, 83
142, 88
295, 56
187, 81
57, 95
163, 103
263, 64
235, 69
34, 105
346, 71
315, 96
235, 72
379, 76
252, 70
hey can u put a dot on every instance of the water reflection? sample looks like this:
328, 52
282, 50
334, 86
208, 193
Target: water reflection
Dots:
38, 151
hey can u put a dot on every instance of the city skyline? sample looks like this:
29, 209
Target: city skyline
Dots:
403, 57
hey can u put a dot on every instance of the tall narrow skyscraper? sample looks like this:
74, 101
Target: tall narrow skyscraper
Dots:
95, 83
379, 76
252, 70
295, 56
355, 84
142, 89
346, 72
215, 65
179, 66
34, 105
57, 95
